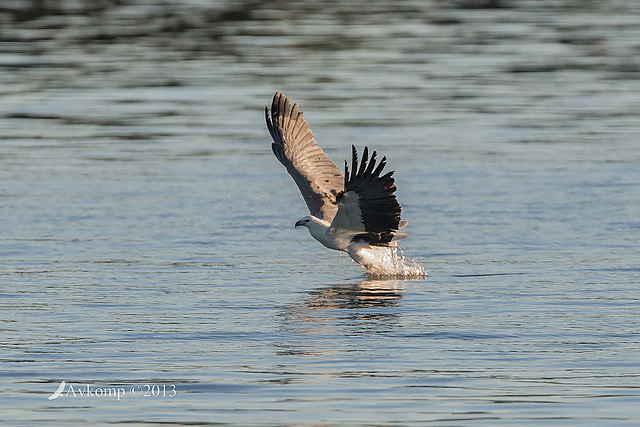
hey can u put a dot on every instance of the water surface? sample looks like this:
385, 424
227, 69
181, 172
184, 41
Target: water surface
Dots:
147, 230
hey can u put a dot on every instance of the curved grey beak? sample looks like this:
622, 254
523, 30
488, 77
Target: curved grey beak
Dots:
298, 224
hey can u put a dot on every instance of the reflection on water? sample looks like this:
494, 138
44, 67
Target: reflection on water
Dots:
367, 293
370, 306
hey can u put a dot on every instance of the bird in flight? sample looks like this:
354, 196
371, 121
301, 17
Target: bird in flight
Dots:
357, 212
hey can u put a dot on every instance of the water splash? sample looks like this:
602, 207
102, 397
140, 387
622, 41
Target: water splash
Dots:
389, 261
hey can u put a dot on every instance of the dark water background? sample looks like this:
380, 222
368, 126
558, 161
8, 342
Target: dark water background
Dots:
146, 231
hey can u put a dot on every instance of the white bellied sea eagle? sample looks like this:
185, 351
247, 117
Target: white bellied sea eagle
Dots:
356, 212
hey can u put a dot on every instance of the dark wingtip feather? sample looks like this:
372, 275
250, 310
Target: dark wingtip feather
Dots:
354, 162
365, 159
380, 167
372, 163
346, 173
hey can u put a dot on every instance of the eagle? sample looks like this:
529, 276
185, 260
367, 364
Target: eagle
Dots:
358, 212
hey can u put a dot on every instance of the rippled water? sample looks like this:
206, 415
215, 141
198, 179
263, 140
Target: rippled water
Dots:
147, 231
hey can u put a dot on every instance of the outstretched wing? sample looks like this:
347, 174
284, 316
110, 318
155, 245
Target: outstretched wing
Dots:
368, 206
317, 177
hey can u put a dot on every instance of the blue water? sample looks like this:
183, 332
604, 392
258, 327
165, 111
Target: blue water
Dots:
147, 234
